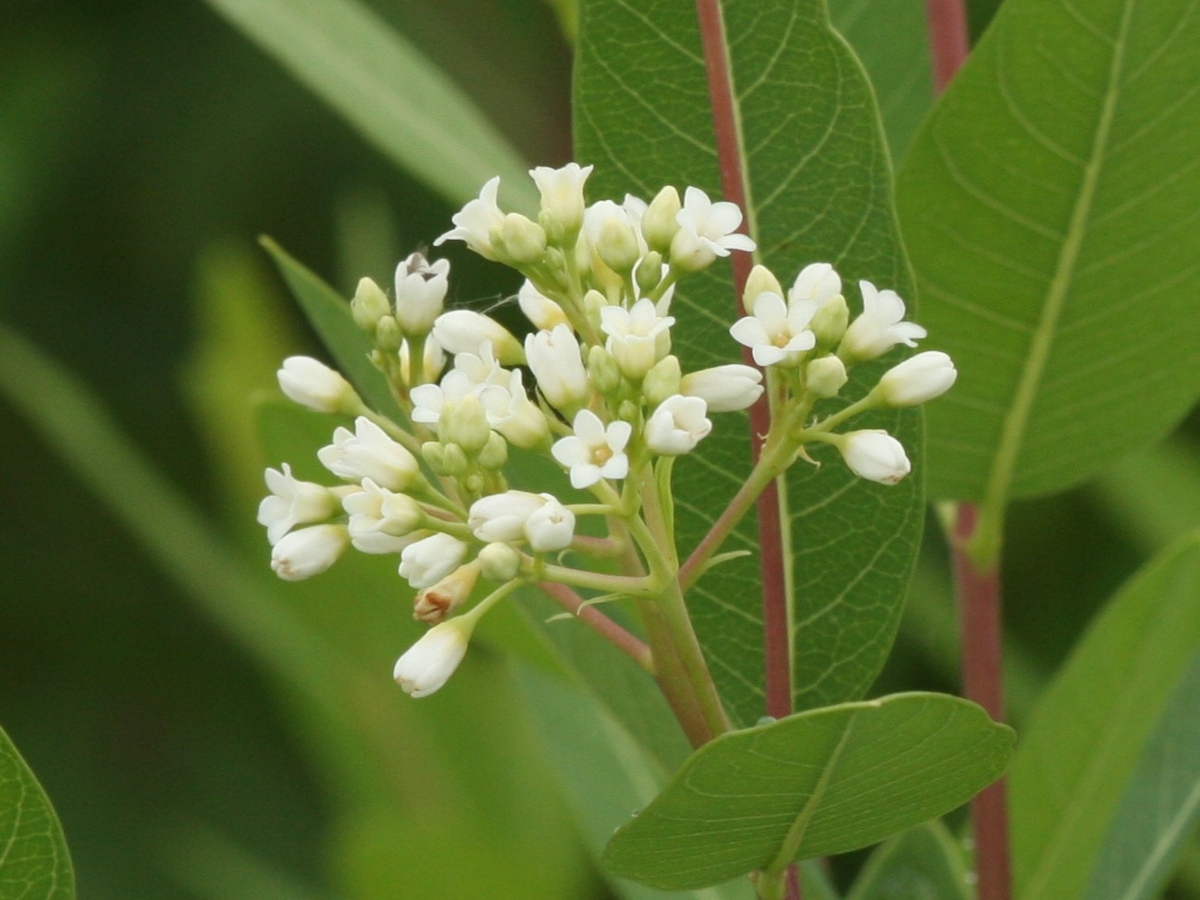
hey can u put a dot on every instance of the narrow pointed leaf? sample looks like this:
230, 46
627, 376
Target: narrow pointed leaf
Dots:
34, 863
924, 863
1050, 209
813, 784
387, 89
1095, 721
819, 184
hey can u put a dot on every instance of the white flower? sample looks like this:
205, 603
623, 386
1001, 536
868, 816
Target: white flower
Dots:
311, 383
369, 453
539, 309
593, 451
677, 425
420, 292
706, 230
431, 559
550, 528
309, 551
465, 331
293, 502
777, 333
562, 194
381, 521
637, 337
879, 328
429, 663
475, 222
480, 367
554, 357
433, 604
818, 282
917, 379
511, 412
875, 455
724, 388
502, 517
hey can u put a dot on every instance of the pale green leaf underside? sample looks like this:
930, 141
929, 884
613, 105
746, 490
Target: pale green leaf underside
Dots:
1160, 808
1094, 722
819, 190
385, 88
1050, 207
34, 863
924, 863
813, 784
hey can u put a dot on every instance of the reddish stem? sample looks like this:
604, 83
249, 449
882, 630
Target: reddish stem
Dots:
948, 39
598, 622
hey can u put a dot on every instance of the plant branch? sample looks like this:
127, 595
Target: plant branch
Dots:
627, 643
948, 40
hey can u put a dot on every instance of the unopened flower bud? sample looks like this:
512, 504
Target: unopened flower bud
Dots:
829, 321
518, 240
388, 336
433, 604
825, 376
602, 370
445, 459
500, 562
494, 453
309, 551
370, 304
464, 422
649, 272
293, 502
381, 521
539, 309
724, 388
917, 379
429, 663
554, 357
502, 517
562, 196
313, 384
760, 281
429, 560
677, 425
420, 292
551, 527
658, 222
874, 454
662, 381
612, 236
368, 452
465, 331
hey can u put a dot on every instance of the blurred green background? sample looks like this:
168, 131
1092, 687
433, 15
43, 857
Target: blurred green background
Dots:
143, 148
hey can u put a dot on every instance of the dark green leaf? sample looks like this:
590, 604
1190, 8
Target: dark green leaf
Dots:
820, 191
1050, 208
924, 863
813, 784
34, 863
1092, 726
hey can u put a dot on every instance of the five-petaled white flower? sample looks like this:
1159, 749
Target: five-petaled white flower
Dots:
777, 333
706, 230
474, 223
594, 451
879, 328
562, 193
638, 337
367, 452
293, 502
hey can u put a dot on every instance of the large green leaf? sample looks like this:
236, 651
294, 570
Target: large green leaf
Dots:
388, 90
1050, 209
816, 783
34, 863
1085, 738
819, 183
1160, 807
924, 863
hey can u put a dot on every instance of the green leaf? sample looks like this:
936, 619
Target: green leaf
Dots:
810, 785
820, 189
1159, 810
329, 314
924, 863
386, 89
1050, 209
34, 863
1094, 722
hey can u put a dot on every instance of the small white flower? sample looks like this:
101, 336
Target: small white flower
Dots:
502, 517
613, 235
309, 551
381, 521
550, 528
638, 337
420, 292
474, 224
539, 309
677, 425
368, 452
554, 357
777, 333
433, 604
875, 455
706, 230
429, 663
311, 383
879, 328
293, 502
429, 560
818, 282
480, 367
724, 388
594, 451
562, 194
511, 412
466, 331
917, 379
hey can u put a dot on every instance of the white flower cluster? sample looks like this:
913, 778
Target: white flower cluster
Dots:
594, 385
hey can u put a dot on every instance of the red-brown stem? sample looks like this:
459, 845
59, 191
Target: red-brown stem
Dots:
949, 42
600, 623
776, 649
979, 604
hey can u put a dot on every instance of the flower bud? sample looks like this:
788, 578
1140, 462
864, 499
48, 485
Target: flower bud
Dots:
760, 281
464, 422
662, 381
293, 502
370, 304
917, 379
562, 196
429, 560
519, 241
874, 454
658, 222
368, 452
551, 527
420, 293
554, 357
429, 663
677, 425
539, 309
494, 453
612, 236
724, 388
829, 321
500, 562
825, 376
602, 370
445, 459
309, 551
433, 604
313, 384
502, 517
465, 331
388, 336
648, 273
381, 521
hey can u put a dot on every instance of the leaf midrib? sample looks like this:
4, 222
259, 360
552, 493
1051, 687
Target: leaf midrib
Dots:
1017, 419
